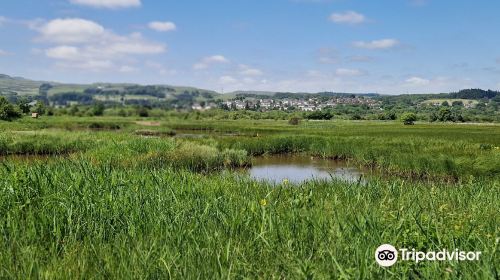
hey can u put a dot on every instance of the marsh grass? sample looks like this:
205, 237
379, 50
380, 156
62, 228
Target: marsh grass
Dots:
74, 219
119, 205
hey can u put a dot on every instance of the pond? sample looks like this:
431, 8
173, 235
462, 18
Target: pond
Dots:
297, 169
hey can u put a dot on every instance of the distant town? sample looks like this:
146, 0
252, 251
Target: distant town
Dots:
302, 104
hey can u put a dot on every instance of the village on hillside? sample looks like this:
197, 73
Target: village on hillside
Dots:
309, 104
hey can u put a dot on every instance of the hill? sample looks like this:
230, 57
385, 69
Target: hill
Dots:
64, 94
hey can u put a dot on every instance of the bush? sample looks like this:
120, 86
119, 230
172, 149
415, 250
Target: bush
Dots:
408, 118
7, 111
294, 121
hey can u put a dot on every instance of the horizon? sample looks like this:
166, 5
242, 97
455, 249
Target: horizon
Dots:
279, 46
244, 91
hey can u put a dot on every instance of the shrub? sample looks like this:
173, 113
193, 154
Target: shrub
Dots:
7, 111
294, 121
408, 118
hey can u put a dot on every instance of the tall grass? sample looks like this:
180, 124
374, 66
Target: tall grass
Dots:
75, 219
121, 205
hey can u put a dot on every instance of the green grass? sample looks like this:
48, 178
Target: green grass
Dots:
114, 203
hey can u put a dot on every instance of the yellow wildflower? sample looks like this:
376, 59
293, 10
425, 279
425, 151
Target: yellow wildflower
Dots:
263, 202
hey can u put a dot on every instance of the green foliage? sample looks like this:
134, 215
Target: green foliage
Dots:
98, 109
319, 115
143, 112
294, 121
409, 118
39, 108
7, 111
24, 106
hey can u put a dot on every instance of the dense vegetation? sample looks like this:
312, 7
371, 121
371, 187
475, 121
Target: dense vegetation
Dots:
114, 197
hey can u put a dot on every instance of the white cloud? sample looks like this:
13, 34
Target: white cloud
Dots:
377, 44
2, 20
110, 4
207, 61
3, 53
349, 17
161, 26
246, 70
63, 52
71, 30
348, 72
225, 80
498, 60
128, 69
417, 81
84, 44
88, 65
216, 59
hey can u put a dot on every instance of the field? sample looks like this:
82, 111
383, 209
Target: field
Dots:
105, 197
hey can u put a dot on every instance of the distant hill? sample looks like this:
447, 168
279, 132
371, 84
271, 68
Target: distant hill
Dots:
18, 86
293, 95
64, 94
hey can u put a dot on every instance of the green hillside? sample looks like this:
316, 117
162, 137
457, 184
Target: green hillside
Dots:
64, 94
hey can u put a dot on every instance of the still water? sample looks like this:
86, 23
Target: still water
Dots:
297, 169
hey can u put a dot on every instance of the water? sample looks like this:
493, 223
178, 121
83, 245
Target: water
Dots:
297, 169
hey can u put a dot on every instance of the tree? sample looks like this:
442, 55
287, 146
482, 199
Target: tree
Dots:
409, 118
457, 103
24, 105
445, 104
7, 111
143, 112
98, 109
39, 108
445, 115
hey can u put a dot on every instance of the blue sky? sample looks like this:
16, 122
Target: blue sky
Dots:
384, 46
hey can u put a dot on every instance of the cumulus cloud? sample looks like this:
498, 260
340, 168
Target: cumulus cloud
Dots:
246, 70
85, 44
349, 17
417, 81
162, 26
70, 30
63, 52
109, 4
377, 44
209, 60
348, 72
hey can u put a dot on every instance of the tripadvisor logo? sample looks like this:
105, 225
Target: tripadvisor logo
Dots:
387, 255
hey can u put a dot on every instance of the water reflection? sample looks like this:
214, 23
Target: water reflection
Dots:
297, 169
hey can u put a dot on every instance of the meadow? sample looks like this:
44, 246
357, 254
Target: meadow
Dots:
106, 197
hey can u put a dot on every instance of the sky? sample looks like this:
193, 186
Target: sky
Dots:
383, 46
